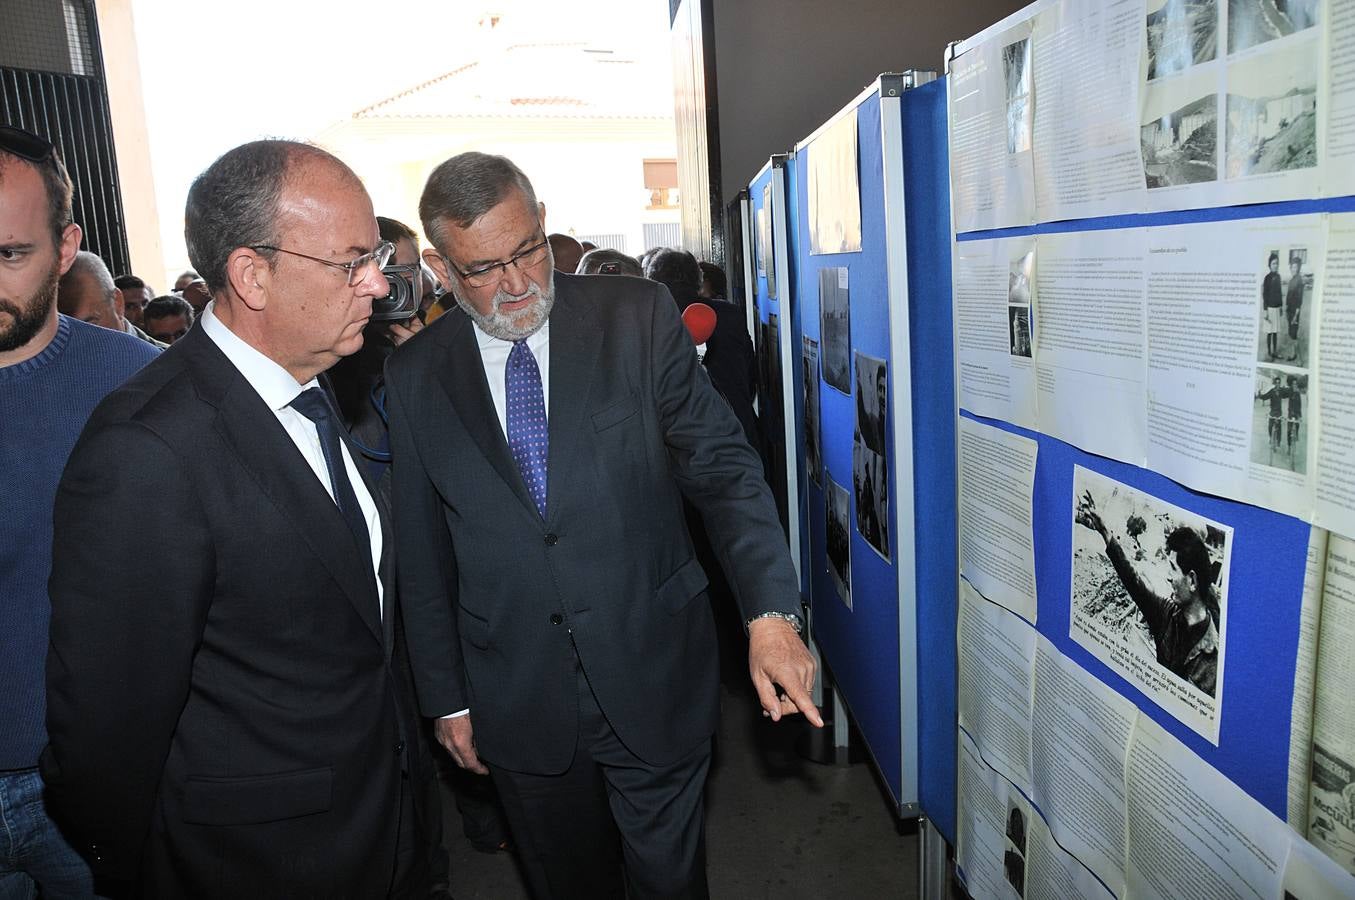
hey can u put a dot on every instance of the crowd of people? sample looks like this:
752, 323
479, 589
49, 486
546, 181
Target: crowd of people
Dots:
414, 500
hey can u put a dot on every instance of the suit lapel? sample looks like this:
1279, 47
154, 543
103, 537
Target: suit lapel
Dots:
385, 573
575, 343
251, 429
463, 379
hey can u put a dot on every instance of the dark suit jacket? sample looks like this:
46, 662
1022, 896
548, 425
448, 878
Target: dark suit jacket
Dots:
227, 709
497, 598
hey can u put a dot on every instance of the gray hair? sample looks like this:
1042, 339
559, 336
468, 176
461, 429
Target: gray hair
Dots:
234, 203
91, 265
465, 187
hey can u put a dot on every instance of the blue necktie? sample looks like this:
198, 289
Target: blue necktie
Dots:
527, 434
314, 404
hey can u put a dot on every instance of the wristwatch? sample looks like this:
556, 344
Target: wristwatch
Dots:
793, 619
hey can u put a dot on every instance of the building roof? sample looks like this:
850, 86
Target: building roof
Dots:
568, 79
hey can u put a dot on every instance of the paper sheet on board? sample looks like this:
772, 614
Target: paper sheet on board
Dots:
997, 539
1089, 337
994, 314
996, 669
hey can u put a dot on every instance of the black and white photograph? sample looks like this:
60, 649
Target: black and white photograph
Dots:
835, 328
1016, 824
1014, 867
1279, 430
1286, 305
1252, 22
1150, 595
1021, 279
772, 353
870, 484
1016, 72
1181, 34
838, 506
1272, 112
1181, 147
872, 401
813, 449
1018, 330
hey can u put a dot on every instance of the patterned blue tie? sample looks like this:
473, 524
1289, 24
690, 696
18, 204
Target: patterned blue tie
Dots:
527, 434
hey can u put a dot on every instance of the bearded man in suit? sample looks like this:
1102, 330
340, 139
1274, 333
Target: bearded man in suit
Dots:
544, 436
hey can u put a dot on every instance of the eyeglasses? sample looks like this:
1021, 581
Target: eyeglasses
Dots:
25, 144
486, 276
381, 255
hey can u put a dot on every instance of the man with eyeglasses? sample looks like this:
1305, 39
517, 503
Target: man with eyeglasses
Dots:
239, 721
543, 437
53, 371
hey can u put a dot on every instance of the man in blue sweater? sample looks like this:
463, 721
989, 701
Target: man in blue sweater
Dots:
53, 371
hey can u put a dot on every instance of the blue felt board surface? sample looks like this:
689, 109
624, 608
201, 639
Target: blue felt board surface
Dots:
1262, 617
926, 176
860, 646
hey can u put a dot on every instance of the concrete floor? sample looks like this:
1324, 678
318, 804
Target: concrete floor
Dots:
777, 825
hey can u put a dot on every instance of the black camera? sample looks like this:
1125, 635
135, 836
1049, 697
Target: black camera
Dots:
405, 296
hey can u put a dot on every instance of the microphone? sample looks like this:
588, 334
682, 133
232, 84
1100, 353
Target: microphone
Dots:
700, 321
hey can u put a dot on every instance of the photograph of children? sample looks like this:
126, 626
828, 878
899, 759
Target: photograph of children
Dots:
1150, 594
1286, 307
813, 451
870, 483
837, 502
1018, 329
1279, 433
835, 328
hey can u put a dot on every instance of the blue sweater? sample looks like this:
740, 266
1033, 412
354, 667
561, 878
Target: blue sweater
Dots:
44, 403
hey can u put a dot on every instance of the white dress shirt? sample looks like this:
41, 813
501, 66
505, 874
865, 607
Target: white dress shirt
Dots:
278, 389
494, 356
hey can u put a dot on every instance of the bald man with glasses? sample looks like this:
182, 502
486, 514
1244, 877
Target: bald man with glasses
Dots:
239, 721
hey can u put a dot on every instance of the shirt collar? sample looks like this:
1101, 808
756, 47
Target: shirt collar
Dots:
271, 381
487, 342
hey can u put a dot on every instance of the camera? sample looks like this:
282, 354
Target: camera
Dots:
405, 296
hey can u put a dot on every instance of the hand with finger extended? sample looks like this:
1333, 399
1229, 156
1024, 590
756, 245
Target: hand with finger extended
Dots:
458, 738
777, 658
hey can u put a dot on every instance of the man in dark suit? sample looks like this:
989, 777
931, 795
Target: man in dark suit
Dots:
544, 436
237, 722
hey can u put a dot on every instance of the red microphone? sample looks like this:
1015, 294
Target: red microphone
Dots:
700, 321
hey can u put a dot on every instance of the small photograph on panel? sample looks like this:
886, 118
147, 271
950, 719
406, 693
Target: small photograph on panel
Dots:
1016, 72
872, 401
1018, 329
1181, 147
1279, 429
1150, 592
1252, 22
1021, 279
1017, 814
1286, 308
835, 328
870, 484
1181, 34
1014, 866
773, 355
1272, 112
813, 451
838, 503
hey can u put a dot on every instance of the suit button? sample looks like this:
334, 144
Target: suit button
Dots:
556, 619
552, 539
399, 748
